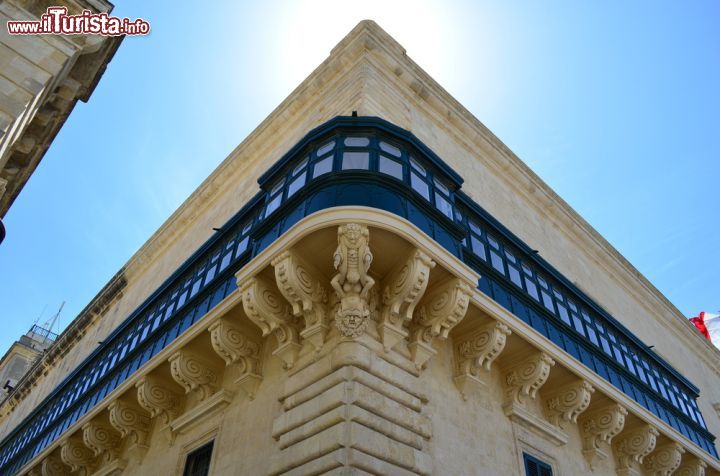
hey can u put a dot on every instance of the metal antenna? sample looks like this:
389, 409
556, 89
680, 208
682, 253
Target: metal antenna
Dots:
49, 324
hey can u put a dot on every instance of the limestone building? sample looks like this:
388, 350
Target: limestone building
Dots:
400, 295
22, 355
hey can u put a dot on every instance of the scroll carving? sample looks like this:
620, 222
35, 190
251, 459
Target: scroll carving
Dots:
102, 439
155, 397
475, 353
598, 430
566, 404
53, 466
194, 374
272, 315
402, 292
352, 283
439, 313
76, 455
634, 447
524, 380
693, 467
665, 459
299, 283
131, 421
236, 347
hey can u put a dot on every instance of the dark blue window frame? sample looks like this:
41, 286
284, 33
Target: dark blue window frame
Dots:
536, 467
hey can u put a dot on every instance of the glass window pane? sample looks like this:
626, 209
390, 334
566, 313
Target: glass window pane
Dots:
390, 167
443, 205
547, 302
442, 187
493, 242
514, 275
497, 262
478, 247
357, 141
355, 160
416, 165
298, 168
532, 289
563, 314
419, 185
296, 184
277, 187
323, 166
474, 227
273, 205
324, 149
390, 149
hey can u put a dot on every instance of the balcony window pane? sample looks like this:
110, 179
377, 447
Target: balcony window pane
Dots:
419, 185
277, 187
443, 205
273, 205
514, 275
323, 166
324, 149
390, 167
563, 314
474, 227
493, 242
478, 247
547, 302
390, 149
357, 141
532, 289
296, 184
298, 168
416, 165
497, 262
355, 160
441, 187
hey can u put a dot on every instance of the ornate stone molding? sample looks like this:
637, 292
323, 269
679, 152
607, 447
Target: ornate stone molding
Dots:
692, 467
102, 439
402, 292
53, 466
195, 374
130, 420
634, 447
236, 347
665, 459
352, 283
76, 455
567, 403
475, 353
598, 430
524, 380
271, 313
300, 285
156, 397
440, 311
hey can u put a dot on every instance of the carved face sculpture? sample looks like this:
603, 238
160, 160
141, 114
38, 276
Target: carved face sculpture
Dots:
352, 322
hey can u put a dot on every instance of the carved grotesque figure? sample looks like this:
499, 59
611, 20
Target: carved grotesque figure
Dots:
352, 283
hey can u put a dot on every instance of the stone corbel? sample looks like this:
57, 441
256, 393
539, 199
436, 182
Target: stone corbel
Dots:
53, 466
300, 284
272, 315
403, 290
633, 448
567, 403
352, 283
103, 440
133, 423
474, 355
195, 374
236, 347
75, 454
156, 397
665, 459
439, 312
692, 467
598, 430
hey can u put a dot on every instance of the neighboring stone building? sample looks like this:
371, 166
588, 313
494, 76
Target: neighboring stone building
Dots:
21, 356
377, 307
41, 79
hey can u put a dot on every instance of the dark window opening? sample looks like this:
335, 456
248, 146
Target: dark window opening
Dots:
535, 467
198, 462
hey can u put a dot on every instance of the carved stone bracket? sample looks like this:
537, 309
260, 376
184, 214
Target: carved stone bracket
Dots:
236, 347
440, 311
194, 373
524, 380
665, 459
131, 421
300, 285
53, 466
156, 397
474, 355
102, 439
692, 467
634, 447
403, 290
352, 283
271, 313
565, 404
598, 430
76, 455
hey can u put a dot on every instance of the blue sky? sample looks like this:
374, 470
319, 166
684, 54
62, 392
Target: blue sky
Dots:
615, 105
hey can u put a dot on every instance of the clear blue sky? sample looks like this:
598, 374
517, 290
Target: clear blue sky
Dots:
616, 105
